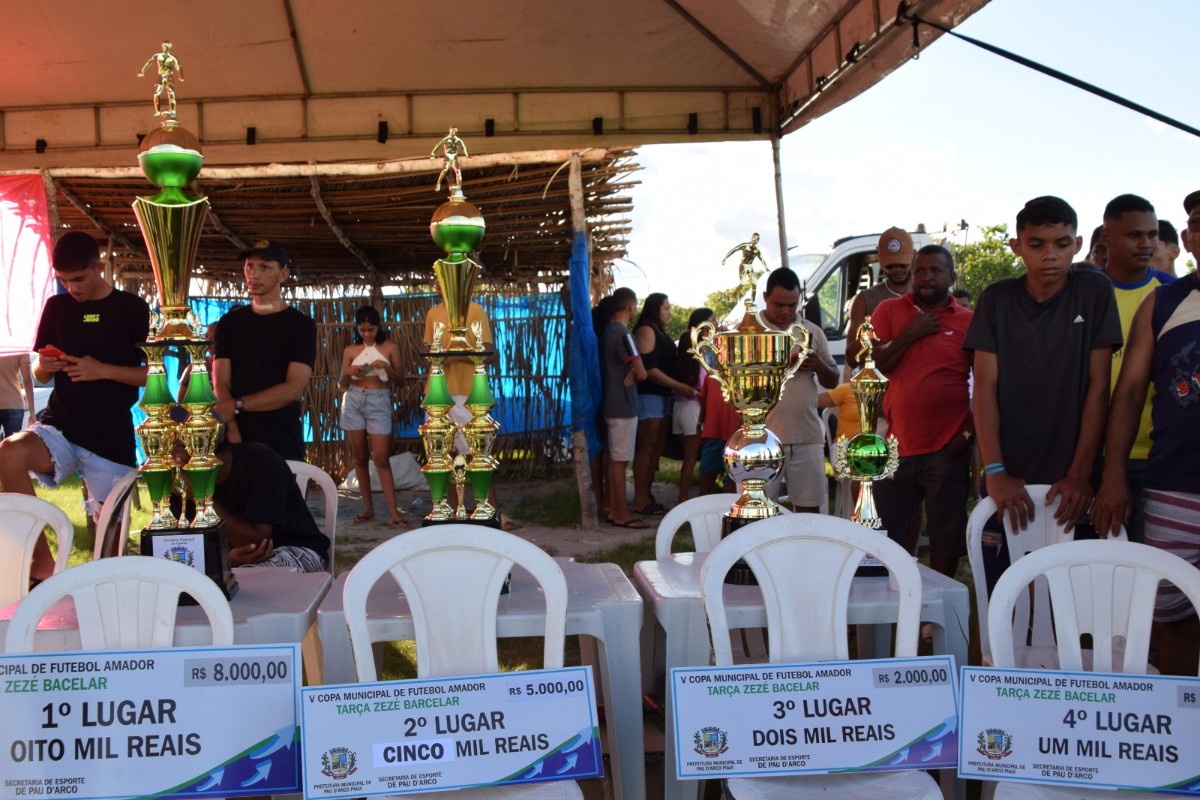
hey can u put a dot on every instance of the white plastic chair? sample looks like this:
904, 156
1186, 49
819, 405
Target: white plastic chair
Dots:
112, 526
122, 603
306, 472
451, 576
703, 515
22, 518
1104, 588
1031, 617
807, 561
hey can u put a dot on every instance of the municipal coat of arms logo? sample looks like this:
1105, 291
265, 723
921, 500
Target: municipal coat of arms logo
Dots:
338, 763
181, 554
710, 742
994, 743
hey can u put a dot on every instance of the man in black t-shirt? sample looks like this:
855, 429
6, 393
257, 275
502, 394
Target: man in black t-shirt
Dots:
87, 341
265, 354
264, 513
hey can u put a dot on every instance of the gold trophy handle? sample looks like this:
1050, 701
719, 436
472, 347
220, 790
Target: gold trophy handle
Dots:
802, 338
703, 336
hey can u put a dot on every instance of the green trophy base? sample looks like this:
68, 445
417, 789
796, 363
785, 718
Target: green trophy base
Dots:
205, 548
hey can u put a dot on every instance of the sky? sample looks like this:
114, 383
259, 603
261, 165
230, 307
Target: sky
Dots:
958, 134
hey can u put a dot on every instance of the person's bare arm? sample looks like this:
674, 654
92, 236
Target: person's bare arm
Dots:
1075, 488
91, 369
1113, 501
27, 385
1005, 490
343, 382
858, 312
825, 401
273, 397
225, 405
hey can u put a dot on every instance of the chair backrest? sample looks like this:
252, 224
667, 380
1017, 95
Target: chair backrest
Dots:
829, 421
805, 564
1042, 531
451, 576
112, 526
122, 603
703, 515
306, 472
22, 518
1104, 588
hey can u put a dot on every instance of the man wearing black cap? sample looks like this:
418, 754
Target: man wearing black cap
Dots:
87, 342
895, 264
264, 357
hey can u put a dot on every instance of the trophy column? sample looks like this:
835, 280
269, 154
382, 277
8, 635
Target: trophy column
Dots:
171, 222
458, 227
752, 364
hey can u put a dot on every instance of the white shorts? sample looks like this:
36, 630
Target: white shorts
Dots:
804, 476
685, 420
99, 474
622, 436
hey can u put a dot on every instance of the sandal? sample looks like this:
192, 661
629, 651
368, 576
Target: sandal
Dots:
361, 518
654, 509
633, 524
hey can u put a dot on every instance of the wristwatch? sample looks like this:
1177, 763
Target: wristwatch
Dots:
238, 407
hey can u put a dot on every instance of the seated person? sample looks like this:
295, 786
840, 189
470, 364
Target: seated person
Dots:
258, 500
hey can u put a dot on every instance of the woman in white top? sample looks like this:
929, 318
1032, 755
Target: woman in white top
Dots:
367, 367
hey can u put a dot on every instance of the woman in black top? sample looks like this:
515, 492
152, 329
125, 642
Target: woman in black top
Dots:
654, 398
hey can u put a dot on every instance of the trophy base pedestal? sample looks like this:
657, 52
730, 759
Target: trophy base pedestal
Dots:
483, 523
740, 573
205, 548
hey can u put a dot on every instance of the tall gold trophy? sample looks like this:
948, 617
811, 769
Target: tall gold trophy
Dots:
171, 223
458, 227
752, 364
868, 457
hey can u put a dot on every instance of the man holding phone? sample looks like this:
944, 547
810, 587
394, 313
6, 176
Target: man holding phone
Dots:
87, 341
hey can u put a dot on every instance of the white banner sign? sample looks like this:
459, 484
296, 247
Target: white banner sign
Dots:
449, 733
779, 719
1081, 728
179, 722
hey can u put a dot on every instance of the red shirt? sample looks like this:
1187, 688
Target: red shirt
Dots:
720, 420
927, 401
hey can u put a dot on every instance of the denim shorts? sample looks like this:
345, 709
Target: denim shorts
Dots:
654, 406
99, 474
367, 409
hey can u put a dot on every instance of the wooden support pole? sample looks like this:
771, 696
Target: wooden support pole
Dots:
589, 517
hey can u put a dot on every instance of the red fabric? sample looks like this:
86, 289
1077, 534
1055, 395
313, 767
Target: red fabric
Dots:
25, 277
720, 420
927, 400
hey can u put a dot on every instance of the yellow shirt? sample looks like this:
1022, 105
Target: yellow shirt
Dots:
459, 373
1128, 300
848, 423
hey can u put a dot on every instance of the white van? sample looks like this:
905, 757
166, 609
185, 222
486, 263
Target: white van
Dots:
829, 282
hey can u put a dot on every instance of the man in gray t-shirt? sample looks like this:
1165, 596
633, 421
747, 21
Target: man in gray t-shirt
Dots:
621, 369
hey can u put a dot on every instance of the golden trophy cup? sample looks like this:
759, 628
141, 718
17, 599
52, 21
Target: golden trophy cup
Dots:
752, 364
868, 457
458, 227
171, 222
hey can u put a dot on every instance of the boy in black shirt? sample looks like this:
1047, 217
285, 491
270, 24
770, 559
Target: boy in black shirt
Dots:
87, 342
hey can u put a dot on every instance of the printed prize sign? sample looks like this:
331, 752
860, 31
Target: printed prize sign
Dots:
179, 722
449, 733
1081, 728
779, 719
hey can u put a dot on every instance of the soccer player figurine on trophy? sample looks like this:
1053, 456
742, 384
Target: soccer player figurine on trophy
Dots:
171, 222
458, 227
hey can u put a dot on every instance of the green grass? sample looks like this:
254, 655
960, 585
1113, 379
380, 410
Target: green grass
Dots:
69, 497
557, 508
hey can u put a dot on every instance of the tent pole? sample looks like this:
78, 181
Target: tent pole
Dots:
783, 245
579, 444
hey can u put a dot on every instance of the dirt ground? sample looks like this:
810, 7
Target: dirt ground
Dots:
354, 541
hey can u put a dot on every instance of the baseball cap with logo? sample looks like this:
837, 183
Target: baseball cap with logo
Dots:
267, 250
895, 247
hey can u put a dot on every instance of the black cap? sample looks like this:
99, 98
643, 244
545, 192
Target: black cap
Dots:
268, 250
1191, 201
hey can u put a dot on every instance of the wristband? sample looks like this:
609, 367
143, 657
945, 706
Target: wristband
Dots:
994, 468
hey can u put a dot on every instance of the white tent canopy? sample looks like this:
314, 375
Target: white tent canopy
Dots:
314, 79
